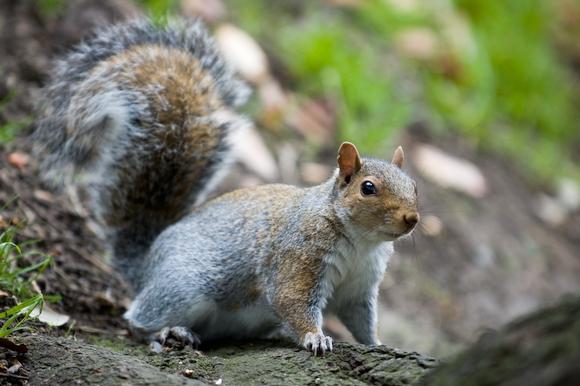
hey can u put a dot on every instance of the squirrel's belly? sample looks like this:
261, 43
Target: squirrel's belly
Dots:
255, 320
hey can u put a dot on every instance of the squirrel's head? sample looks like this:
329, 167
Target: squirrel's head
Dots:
376, 197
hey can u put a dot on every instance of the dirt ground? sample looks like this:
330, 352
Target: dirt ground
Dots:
494, 258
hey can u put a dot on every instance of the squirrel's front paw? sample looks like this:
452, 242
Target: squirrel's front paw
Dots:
317, 343
174, 337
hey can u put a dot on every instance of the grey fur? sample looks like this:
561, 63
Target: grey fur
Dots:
103, 131
64, 152
217, 271
208, 261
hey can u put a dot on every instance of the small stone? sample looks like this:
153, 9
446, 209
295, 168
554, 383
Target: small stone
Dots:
155, 347
431, 225
19, 160
550, 210
44, 196
449, 171
243, 53
14, 368
568, 194
187, 373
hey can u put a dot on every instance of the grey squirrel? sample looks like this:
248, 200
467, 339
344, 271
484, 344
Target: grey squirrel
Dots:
143, 114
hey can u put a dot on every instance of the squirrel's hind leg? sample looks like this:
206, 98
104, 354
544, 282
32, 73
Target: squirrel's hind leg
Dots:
169, 319
176, 337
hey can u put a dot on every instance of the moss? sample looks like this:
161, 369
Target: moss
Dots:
249, 363
542, 349
55, 360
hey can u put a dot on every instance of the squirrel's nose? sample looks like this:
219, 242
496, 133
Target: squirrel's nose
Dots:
411, 219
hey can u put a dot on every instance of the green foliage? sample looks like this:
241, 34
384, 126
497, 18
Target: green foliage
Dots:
18, 315
17, 281
507, 90
9, 130
329, 61
513, 94
51, 7
159, 10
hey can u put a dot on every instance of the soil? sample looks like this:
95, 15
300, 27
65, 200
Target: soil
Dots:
58, 360
494, 259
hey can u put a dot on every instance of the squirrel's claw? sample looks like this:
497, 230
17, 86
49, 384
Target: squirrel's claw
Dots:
174, 337
317, 343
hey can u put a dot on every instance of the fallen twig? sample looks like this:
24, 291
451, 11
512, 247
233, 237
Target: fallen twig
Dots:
8, 375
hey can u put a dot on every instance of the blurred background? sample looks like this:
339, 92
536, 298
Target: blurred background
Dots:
483, 95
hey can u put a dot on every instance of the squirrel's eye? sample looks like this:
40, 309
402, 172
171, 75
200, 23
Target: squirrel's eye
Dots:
367, 188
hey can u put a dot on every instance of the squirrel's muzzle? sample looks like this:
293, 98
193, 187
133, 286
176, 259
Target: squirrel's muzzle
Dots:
411, 219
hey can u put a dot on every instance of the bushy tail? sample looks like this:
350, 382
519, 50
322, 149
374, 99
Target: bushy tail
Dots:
146, 149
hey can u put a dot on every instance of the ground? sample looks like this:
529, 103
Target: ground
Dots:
494, 258
247, 364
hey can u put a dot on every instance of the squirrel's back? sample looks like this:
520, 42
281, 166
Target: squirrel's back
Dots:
142, 112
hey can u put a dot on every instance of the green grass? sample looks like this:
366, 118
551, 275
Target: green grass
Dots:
509, 91
17, 280
51, 7
513, 95
329, 59
9, 130
159, 10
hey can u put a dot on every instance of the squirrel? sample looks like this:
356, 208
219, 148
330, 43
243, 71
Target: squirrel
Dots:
141, 115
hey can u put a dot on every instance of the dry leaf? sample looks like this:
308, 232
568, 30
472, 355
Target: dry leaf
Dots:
15, 367
44, 196
105, 297
253, 153
7, 343
50, 317
449, 171
288, 158
417, 43
314, 173
274, 104
313, 119
271, 95
243, 53
210, 10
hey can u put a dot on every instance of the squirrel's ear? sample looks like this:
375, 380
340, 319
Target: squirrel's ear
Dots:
348, 161
398, 157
